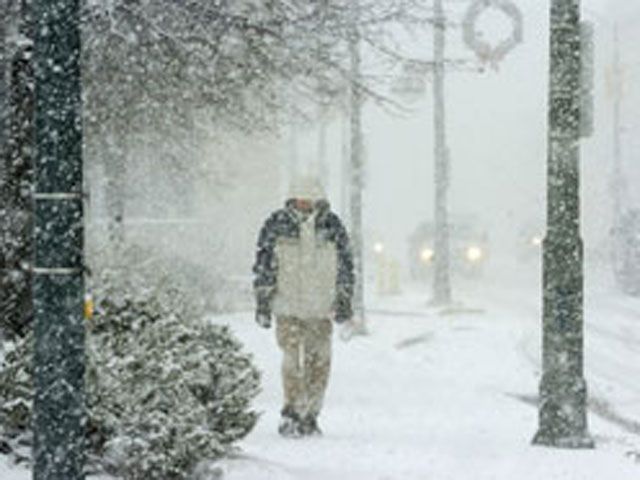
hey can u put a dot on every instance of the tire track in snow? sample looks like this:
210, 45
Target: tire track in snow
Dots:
597, 404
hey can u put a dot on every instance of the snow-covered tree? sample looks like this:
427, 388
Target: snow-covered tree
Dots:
157, 66
165, 389
16, 157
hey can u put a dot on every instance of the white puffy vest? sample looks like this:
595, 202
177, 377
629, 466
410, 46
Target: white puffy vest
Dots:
307, 272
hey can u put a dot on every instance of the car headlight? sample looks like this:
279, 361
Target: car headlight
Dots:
378, 247
474, 254
536, 240
426, 255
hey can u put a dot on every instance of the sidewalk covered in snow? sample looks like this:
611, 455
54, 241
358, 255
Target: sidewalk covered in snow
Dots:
435, 396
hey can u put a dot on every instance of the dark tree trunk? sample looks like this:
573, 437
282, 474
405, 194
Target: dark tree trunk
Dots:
17, 221
4, 87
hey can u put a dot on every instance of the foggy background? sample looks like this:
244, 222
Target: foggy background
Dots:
496, 126
496, 130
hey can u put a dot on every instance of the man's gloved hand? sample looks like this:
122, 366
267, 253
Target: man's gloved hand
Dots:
341, 319
343, 312
263, 309
263, 319
347, 331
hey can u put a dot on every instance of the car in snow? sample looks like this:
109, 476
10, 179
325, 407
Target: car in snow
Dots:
626, 253
529, 241
468, 243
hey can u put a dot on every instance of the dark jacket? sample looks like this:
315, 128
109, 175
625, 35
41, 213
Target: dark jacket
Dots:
285, 223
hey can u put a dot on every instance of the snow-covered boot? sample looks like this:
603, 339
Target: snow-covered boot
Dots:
290, 423
310, 426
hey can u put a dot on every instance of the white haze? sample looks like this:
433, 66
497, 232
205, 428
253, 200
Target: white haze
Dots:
496, 124
496, 127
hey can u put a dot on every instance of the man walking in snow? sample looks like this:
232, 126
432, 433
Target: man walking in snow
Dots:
303, 276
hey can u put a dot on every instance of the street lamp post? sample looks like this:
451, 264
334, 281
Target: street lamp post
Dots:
617, 183
442, 275
563, 390
486, 53
356, 167
58, 283
322, 167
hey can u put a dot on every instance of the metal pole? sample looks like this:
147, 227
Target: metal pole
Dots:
357, 163
58, 290
563, 389
323, 127
618, 179
442, 280
293, 168
345, 176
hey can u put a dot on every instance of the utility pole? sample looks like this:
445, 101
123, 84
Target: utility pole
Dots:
442, 274
563, 389
345, 174
293, 167
323, 127
357, 161
58, 282
486, 53
617, 183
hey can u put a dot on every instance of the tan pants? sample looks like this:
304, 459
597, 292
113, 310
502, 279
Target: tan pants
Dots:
306, 345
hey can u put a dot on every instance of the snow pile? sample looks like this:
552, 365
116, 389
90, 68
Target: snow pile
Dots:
165, 390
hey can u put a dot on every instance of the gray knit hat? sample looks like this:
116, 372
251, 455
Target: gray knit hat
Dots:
307, 188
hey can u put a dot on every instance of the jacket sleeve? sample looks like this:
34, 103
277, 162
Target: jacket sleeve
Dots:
346, 279
265, 267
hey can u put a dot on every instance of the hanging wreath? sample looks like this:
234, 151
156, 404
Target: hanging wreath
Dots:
485, 51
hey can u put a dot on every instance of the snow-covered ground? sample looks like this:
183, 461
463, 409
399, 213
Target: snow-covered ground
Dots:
448, 396
433, 396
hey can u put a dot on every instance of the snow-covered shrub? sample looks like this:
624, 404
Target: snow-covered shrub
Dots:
165, 389
16, 397
169, 390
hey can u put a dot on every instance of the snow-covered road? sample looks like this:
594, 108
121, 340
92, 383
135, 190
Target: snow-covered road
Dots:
431, 396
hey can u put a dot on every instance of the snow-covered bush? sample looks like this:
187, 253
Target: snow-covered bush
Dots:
16, 397
165, 389
170, 391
